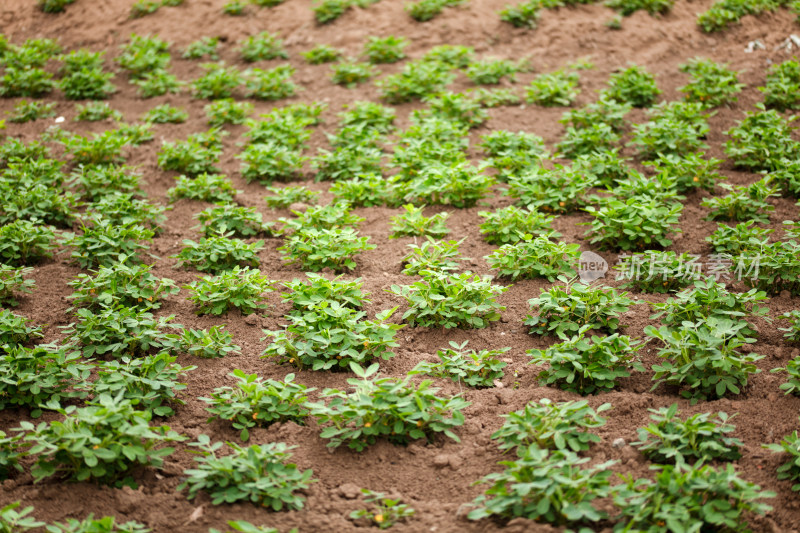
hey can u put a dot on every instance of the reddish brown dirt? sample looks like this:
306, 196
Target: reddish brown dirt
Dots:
437, 493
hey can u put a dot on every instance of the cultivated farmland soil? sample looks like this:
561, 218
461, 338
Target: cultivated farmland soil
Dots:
436, 478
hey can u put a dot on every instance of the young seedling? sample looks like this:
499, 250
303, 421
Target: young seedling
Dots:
259, 474
448, 300
102, 442
588, 365
254, 402
240, 288
476, 369
387, 511
698, 438
387, 408
564, 310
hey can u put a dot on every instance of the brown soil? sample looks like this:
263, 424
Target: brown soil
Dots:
438, 493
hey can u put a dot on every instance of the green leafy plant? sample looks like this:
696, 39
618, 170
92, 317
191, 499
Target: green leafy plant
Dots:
330, 336
204, 187
234, 8
458, 184
23, 242
537, 257
425, 10
104, 242
11, 520
712, 84
566, 309
742, 239
326, 11
702, 358
588, 365
655, 271
166, 114
556, 426
689, 171
385, 408
101, 442
492, 71
123, 209
456, 107
149, 382
205, 46
743, 203
254, 402
270, 84
121, 284
218, 81
330, 216
227, 111
385, 49
565, 489
698, 438
12, 280
417, 80
259, 474
188, 157
523, 15
240, 288
793, 331
447, 300
761, 141
270, 161
682, 497
118, 331
237, 220
284, 197
206, 343
782, 89
350, 73
219, 253
40, 377
51, 6
140, 8
158, 83
513, 153
263, 46
476, 369
353, 160
559, 190
455, 56
97, 111
317, 290
365, 190
675, 128
634, 86
588, 140
653, 7
634, 224
322, 53
30, 82
708, 298
606, 110
413, 223
14, 329
789, 445
388, 511
315, 249
559, 88
25, 111
90, 524
440, 256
